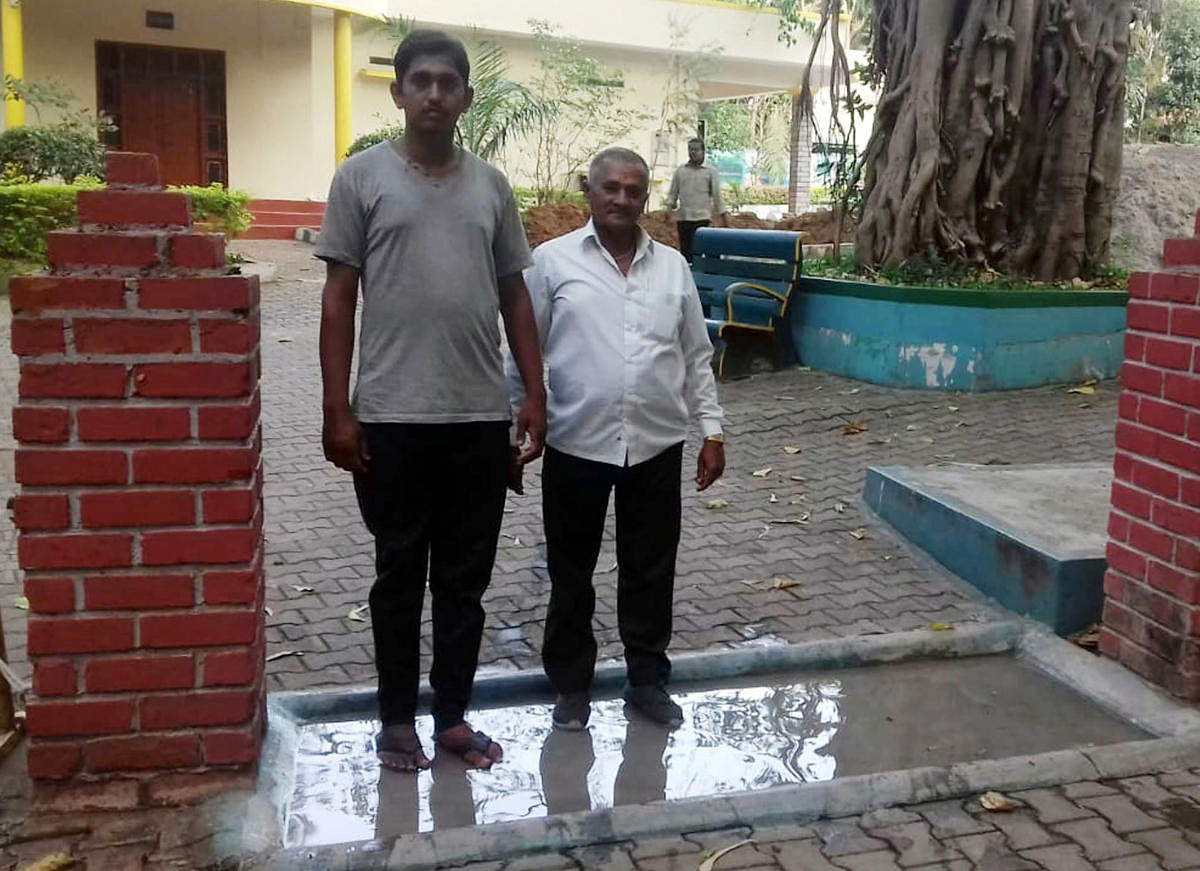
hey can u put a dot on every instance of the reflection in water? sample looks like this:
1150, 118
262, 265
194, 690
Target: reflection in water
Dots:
733, 739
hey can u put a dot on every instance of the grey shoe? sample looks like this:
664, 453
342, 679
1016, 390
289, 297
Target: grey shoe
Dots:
654, 703
571, 711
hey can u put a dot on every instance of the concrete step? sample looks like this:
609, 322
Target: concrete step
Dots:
271, 231
1031, 537
311, 207
298, 219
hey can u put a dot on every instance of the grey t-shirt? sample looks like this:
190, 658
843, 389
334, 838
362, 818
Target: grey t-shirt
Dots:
429, 253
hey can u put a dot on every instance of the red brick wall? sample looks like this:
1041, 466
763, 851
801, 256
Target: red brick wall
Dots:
1152, 588
140, 503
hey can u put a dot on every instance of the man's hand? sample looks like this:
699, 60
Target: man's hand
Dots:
710, 465
531, 428
516, 472
342, 438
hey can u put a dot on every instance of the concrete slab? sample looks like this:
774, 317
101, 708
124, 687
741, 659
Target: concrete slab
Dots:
1031, 537
739, 736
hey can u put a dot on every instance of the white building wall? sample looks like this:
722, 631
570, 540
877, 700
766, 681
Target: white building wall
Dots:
279, 65
268, 68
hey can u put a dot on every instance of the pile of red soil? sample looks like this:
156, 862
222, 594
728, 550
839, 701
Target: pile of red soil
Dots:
555, 219
817, 227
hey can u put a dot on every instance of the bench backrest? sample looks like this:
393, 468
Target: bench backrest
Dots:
770, 258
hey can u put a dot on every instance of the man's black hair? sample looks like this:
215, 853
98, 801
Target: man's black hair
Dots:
431, 42
695, 140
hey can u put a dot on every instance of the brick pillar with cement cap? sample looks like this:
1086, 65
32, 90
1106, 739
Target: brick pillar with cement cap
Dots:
140, 504
1152, 587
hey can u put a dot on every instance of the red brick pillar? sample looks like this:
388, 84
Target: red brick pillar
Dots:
1152, 588
140, 508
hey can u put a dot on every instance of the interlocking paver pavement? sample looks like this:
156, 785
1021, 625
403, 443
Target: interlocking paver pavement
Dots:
853, 843
848, 585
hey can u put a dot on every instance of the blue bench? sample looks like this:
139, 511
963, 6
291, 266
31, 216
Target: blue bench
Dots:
746, 279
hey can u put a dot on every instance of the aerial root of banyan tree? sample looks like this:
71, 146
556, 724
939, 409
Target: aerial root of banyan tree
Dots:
997, 139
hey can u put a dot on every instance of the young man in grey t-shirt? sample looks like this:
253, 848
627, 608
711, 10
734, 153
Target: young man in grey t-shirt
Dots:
433, 235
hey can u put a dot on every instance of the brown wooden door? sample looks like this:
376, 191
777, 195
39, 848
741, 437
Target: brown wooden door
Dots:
169, 102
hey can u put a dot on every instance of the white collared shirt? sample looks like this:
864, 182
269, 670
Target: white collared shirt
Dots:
628, 358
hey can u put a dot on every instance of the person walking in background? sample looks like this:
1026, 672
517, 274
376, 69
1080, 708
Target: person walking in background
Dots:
629, 367
694, 197
434, 237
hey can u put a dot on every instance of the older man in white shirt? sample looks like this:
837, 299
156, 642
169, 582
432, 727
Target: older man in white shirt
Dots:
629, 368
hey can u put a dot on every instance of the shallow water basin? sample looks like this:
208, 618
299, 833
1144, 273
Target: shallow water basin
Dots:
737, 735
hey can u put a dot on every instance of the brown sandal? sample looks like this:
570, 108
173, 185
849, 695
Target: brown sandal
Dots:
478, 744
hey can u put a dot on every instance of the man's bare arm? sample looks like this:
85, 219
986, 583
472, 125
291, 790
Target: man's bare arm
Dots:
341, 433
521, 329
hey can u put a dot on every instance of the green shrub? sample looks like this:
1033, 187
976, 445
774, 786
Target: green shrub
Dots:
383, 134
40, 153
224, 210
527, 198
757, 195
29, 211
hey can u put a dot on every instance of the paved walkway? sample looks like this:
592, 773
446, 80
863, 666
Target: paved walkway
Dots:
1136, 824
848, 585
319, 556
853, 579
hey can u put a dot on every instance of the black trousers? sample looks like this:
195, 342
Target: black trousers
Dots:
574, 504
687, 232
433, 497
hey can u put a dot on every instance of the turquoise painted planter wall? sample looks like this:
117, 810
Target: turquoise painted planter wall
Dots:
953, 339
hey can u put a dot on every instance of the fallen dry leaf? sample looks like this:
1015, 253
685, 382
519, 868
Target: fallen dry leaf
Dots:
784, 584
53, 862
21, 603
283, 653
791, 449
714, 504
940, 627
761, 473
854, 429
952, 408
1088, 639
268, 612
996, 802
798, 478
859, 533
1087, 388
711, 862
765, 530
803, 518
773, 499
303, 590
358, 613
516, 540
840, 507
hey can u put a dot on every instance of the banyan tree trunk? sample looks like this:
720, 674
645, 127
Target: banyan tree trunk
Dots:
998, 137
